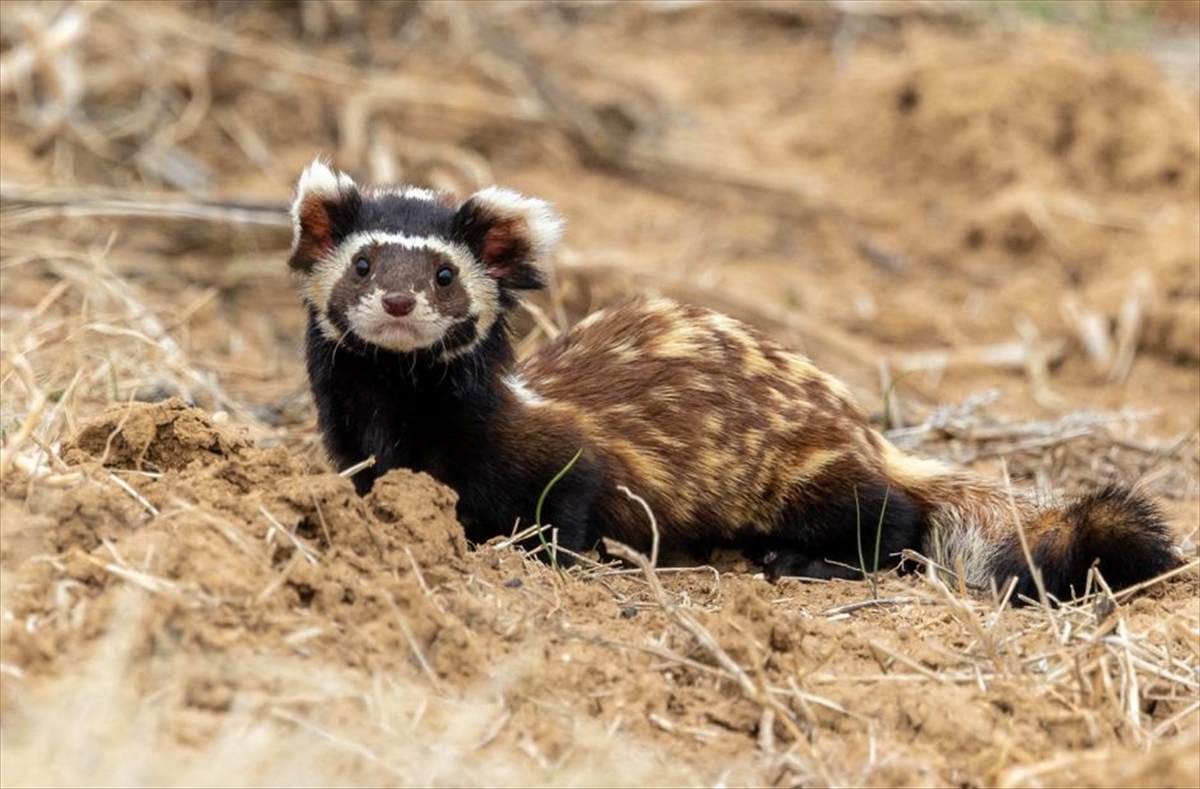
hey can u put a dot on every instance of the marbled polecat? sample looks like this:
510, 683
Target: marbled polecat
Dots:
729, 437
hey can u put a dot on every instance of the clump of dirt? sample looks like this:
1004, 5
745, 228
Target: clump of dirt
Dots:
168, 435
415, 510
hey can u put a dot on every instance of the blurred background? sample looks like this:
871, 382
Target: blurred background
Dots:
992, 203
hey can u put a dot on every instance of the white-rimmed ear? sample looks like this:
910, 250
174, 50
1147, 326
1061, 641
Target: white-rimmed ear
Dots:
507, 232
326, 208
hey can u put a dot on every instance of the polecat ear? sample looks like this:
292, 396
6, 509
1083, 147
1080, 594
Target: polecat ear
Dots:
325, 211
507, 232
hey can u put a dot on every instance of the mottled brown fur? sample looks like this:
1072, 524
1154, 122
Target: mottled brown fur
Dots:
713, 423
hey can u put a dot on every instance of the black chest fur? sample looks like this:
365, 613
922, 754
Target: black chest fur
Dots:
407, 410
412, 411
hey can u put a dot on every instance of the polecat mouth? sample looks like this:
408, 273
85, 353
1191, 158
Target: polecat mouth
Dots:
402, 334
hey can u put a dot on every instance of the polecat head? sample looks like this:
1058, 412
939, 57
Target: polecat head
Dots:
408, 269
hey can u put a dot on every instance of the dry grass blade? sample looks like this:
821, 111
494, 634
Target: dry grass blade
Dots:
1130, 323
702, 636
24, 204
654, 536
310, 554
12, 445
849, 608
18, 63
125, 486
1130, 591
350, 471
222, 526
356, 748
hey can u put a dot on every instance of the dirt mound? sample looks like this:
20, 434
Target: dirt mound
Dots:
228, 534
169, 436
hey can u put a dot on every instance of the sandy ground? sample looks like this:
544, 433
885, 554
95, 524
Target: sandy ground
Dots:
988, 224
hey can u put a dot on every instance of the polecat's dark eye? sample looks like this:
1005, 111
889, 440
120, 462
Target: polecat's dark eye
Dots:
444, 276
362, 266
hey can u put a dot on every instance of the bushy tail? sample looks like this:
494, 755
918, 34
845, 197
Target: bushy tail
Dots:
973, 528
1116, 529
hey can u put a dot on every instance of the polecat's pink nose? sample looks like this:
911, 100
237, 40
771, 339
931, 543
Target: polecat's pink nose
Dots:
399, 304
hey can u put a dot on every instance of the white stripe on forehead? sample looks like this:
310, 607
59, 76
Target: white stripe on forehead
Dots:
356, 241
